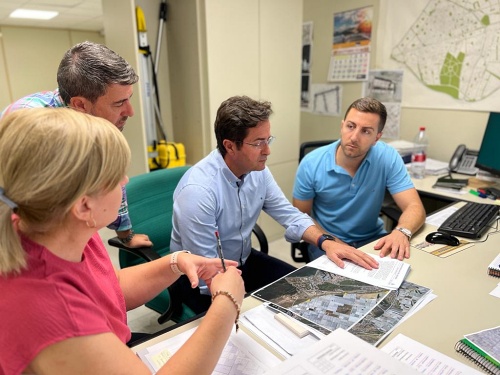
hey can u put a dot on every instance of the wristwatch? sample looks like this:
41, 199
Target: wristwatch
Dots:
126, 240
324, 237
405, 231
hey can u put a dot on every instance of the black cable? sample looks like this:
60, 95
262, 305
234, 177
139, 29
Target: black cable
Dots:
496, 231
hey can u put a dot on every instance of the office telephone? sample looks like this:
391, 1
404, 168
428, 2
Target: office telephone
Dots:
464, 161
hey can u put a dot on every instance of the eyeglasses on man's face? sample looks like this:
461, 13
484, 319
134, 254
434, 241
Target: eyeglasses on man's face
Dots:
261, 144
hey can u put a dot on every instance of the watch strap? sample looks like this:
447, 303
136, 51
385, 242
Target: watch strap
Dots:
323, 238
405, 231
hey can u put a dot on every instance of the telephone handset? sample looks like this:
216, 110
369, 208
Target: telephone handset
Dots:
464, 161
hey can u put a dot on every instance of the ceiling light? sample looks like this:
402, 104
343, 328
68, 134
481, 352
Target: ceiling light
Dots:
33, 14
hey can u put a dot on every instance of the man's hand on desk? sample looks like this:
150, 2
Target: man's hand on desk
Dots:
395, 244
338, 250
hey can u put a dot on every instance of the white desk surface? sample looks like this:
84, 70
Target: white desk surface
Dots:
463, 304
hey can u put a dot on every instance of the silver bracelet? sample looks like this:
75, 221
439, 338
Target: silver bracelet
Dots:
173, 262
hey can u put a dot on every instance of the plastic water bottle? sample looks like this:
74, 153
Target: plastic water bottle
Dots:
419, 154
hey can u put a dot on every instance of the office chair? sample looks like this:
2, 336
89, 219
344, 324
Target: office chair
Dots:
299, 249
388, 209
150, 205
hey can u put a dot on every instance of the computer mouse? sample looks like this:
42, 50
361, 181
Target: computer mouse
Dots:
442, 238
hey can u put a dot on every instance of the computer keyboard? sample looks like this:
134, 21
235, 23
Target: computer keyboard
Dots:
470, 220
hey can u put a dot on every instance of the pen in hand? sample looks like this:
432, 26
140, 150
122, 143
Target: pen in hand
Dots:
219, 251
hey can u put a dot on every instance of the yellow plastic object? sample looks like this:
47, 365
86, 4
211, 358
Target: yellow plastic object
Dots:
169, 155
141, 30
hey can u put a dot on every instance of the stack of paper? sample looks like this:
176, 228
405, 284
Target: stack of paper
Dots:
241, 354
435, 167
403, 147
341, 353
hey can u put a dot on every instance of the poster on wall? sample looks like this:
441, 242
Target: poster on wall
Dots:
350, 56
448, 50
387, 87
326, 99
307, 36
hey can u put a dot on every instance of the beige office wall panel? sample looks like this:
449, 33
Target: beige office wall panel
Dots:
446, 129
77, 36
188, 78
280, 62
232, 34
5, 97
32, 56
23, 69
121, 37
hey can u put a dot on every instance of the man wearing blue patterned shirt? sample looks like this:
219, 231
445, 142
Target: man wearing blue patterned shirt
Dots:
95, 80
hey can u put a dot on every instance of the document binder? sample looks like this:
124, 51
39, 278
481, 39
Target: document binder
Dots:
494, 267
482, 348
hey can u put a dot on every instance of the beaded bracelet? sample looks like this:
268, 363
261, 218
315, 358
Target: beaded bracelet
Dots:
173, 262
231, 297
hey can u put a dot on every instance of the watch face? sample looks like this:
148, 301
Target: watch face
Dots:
328, 237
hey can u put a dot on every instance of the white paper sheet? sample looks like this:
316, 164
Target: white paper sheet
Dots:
390, 274
424, 359
341, 353
241, 356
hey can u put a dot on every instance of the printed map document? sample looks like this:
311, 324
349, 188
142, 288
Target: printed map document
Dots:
326, 301
241, 355
341, 353
389, 275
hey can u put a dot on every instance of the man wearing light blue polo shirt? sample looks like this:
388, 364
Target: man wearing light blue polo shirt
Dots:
342, 185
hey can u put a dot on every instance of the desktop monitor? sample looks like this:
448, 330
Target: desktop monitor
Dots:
488, 158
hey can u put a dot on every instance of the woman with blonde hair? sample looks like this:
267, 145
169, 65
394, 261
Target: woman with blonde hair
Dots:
63, 305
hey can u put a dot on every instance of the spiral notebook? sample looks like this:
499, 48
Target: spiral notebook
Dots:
482, 348
494, 267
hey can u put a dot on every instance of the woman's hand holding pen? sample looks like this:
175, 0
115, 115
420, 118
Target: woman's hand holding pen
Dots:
197, 267
229, 281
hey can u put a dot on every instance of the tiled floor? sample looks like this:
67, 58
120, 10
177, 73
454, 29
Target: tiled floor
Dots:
143, 319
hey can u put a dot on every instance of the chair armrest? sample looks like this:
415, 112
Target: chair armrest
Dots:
146, 253
261, 237
300, 252
392, 214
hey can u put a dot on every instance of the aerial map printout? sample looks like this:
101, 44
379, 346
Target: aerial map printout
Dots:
450, 47
333, 301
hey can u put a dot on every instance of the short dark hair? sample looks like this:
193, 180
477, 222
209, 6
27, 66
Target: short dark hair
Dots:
370, 105
235, 116
87, 69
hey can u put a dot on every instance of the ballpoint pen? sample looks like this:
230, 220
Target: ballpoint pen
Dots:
219, 251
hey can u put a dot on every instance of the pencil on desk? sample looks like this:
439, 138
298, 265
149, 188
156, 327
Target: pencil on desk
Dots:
219, 251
